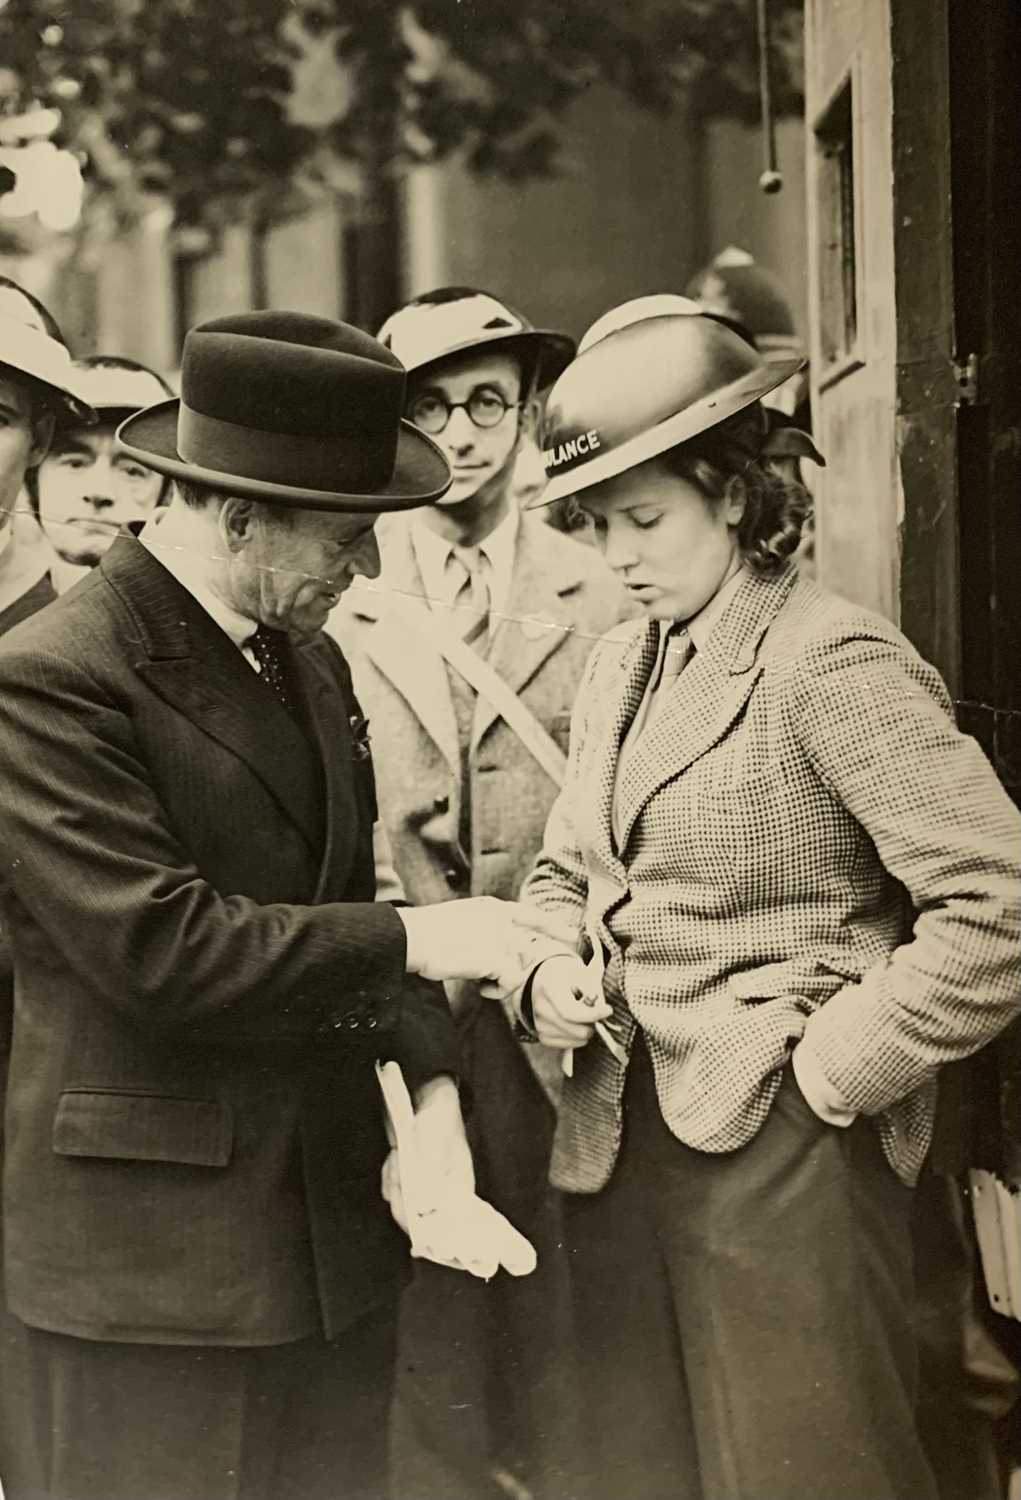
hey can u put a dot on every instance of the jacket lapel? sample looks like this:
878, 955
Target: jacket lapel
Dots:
328, 711
188, 660
606, 732
705, 701
398, 641
536, 618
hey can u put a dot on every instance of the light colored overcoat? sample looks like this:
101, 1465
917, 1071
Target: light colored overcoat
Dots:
561, 600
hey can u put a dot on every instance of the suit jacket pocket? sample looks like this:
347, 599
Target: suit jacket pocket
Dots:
133, 1126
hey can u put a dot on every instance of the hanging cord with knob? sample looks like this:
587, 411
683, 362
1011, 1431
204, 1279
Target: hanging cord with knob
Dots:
770, 180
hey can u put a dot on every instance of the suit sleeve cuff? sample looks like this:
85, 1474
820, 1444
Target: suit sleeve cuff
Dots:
524, 1023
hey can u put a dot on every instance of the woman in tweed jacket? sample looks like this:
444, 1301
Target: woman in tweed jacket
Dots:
799, 886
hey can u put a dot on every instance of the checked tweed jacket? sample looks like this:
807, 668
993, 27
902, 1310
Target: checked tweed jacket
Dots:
809, 850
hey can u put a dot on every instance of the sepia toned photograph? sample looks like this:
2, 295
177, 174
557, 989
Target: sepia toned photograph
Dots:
510, 750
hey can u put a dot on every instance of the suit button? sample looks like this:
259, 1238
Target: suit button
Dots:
441, 804
352, 1020
371, 1023
456, 878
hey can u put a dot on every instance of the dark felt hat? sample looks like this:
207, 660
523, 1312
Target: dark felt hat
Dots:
294, 410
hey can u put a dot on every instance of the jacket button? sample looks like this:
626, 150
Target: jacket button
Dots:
352, 1020
456, 878
370, 1023
441, 804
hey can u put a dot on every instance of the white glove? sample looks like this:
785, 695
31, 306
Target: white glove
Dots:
446, 1221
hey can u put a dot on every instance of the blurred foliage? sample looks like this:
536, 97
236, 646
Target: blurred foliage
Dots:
206, 100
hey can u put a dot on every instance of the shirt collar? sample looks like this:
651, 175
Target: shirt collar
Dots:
702, 625
432, 552
191, 570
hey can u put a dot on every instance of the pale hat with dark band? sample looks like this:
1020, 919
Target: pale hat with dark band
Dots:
422, 333
27, 351
294, 410
117, 391
644, 388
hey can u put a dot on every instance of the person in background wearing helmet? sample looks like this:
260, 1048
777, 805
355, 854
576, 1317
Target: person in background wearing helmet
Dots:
759, 773
733, 285
39, 396
484, 1392
85, 490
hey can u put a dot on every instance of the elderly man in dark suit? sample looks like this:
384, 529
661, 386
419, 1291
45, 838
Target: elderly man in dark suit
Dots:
195, 1233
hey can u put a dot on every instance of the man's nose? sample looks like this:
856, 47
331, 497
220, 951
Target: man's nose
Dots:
99, 500
460, 433
367, 557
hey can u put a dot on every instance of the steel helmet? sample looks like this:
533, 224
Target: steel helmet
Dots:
734, 285
658, 305
457, 318
643, 389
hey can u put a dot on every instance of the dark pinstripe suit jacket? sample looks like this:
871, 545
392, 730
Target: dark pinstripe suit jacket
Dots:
202, 981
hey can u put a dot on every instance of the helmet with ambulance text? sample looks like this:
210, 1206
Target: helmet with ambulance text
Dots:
641, 390
455, 319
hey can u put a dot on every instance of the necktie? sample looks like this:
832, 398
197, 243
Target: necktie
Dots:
678, 649
471, 599
268, 648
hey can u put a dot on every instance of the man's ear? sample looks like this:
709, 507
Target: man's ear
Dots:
531, 416
42, 437
237, 522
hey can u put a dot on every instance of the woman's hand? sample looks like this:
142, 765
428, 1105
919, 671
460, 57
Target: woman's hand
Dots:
565, 1003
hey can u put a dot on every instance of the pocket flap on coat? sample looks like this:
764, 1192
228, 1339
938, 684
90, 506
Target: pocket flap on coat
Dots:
813, 978
143, 1127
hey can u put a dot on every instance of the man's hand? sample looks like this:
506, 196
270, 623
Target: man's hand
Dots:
565, 1003
480, 938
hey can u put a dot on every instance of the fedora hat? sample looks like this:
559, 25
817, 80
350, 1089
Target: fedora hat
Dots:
643, 389
294, 410
44, 363
455, 319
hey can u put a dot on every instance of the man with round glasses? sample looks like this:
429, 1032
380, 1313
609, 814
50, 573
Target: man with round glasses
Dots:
484, 1392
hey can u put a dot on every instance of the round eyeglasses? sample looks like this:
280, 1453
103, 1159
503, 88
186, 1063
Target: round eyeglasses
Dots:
431, 412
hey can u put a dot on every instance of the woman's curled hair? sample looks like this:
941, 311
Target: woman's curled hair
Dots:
727, 459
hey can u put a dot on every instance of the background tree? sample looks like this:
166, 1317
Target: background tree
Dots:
203, 101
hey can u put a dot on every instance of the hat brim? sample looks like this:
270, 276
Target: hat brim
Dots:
421, 474
551, 351
679, 428
67, 409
